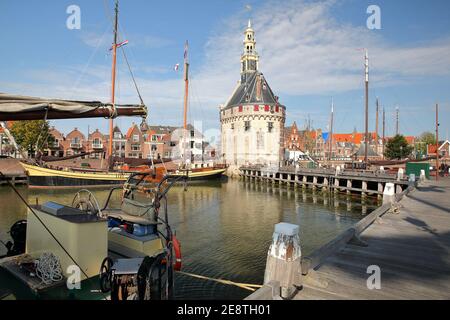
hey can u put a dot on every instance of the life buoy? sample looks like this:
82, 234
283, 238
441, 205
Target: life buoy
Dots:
177, 250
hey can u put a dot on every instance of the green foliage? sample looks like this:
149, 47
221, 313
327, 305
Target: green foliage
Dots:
27, 134
426, 138
398, 148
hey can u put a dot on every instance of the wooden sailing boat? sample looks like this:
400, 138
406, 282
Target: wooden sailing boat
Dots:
201, 173
28, 108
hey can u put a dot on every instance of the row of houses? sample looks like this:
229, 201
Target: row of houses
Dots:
140, 142
345, 146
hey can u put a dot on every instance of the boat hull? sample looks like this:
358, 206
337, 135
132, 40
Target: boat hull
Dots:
44, 177
204, 175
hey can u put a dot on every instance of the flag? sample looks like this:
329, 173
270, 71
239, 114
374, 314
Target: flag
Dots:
177, 66
124, 43
185, 51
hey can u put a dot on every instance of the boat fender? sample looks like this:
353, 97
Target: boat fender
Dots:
177, 249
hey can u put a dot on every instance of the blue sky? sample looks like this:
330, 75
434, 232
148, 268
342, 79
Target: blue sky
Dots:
308, 52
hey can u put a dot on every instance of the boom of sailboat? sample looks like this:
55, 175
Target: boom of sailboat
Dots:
15, 107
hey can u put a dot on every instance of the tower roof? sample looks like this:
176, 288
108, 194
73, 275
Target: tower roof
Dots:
248, 93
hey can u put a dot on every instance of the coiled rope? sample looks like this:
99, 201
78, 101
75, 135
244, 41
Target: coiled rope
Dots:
48, 268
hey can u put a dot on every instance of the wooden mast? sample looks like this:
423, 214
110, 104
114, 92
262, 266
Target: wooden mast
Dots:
331, 131
186, 84
384, 128
113, 82
437, 142
376, 124
366, 67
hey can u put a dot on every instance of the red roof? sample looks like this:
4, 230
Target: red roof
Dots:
130, 131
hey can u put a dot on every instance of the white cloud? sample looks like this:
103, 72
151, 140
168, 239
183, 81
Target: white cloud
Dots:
303, 51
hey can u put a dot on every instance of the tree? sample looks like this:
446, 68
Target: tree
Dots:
397, 148
426, 138
29, 133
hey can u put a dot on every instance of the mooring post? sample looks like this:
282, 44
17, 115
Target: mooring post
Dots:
412, 180
389, 193
422, 175
283, 259
400, 174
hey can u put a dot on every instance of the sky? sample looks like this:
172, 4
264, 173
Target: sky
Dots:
310, 53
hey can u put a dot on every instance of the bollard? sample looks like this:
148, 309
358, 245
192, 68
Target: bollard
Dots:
412, 180
422, 175
400, 174
283, 259
389, 193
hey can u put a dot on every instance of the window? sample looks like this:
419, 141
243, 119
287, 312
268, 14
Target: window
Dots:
135, 137
277, 109
192, 133
117, 135
256, 107
270, 127
260, 140
247, 125
154, 147
266, 108
240, 108
135, 147
154, 137
173, 143
192, 144
232, 126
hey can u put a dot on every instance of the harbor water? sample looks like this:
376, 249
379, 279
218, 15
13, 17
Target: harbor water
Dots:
224, 227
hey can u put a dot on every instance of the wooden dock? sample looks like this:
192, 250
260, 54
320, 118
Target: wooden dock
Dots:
364, 183
12, 172
409, 243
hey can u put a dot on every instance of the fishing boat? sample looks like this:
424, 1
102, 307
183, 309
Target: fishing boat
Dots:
127, 252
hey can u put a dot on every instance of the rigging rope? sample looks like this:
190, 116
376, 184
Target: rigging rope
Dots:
132, 75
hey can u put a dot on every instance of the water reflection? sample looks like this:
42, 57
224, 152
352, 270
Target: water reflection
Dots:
225, 228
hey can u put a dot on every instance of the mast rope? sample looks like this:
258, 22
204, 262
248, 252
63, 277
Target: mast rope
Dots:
132, 75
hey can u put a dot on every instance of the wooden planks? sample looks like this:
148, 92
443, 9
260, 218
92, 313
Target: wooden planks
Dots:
411, 248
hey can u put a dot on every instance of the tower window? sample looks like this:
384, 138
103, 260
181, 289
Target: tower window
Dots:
247, 125
270, 126
232, 126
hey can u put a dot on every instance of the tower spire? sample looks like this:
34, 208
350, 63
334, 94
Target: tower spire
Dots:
249, 57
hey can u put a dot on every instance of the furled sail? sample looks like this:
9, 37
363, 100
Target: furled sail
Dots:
14, 107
